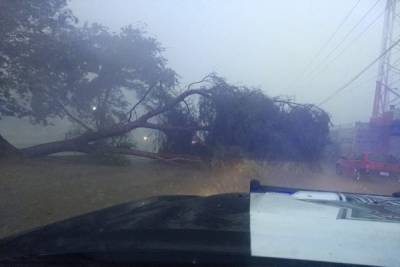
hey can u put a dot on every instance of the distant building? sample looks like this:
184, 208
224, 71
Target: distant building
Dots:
379, 135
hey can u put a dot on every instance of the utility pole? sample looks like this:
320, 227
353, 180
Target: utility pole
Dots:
387, 95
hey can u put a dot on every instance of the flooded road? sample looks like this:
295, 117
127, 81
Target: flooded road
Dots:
37, 192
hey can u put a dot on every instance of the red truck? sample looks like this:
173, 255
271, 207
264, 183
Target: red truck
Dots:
368, 164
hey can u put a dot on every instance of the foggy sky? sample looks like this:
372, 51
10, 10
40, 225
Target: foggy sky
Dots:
265, 43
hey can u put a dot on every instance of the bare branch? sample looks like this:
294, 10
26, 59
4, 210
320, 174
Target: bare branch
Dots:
181, 97
69, 114
81, 123
204, 79
187, 107
291, 103
140, 101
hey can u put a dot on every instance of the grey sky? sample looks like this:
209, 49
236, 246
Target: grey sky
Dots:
265, 43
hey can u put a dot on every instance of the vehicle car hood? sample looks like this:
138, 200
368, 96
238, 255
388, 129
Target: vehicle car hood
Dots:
214, 224
269, 225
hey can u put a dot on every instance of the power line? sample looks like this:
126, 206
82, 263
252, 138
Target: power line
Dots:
397, 60
345, 37
335, 32
348, 45
364, 82
317, 54
340, 89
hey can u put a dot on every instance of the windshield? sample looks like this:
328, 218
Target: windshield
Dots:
106, 102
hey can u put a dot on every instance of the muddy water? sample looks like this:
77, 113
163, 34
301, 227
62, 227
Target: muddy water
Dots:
38, 192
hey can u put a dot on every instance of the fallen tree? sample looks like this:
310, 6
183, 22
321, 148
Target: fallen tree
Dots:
53, 68
7, 149
140, 153
278, 128
82, 143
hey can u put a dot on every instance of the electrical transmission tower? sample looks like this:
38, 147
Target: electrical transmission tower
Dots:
387, 96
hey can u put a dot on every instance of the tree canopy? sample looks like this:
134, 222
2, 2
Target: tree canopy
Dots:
246, 121
53, 68
110, 83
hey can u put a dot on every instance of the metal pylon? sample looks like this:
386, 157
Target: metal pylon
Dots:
387, 94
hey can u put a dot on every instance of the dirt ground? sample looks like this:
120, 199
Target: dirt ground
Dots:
38, 192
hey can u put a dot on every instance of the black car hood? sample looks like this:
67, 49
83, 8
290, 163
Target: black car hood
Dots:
187, 230
216, 224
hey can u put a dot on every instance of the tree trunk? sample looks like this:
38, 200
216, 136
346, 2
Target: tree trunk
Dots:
78, 143
7, 149
84, 142
51, 148
144, 154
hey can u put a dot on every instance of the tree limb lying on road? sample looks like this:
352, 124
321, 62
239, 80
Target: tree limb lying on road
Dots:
140, 153
78, 143
7, 148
